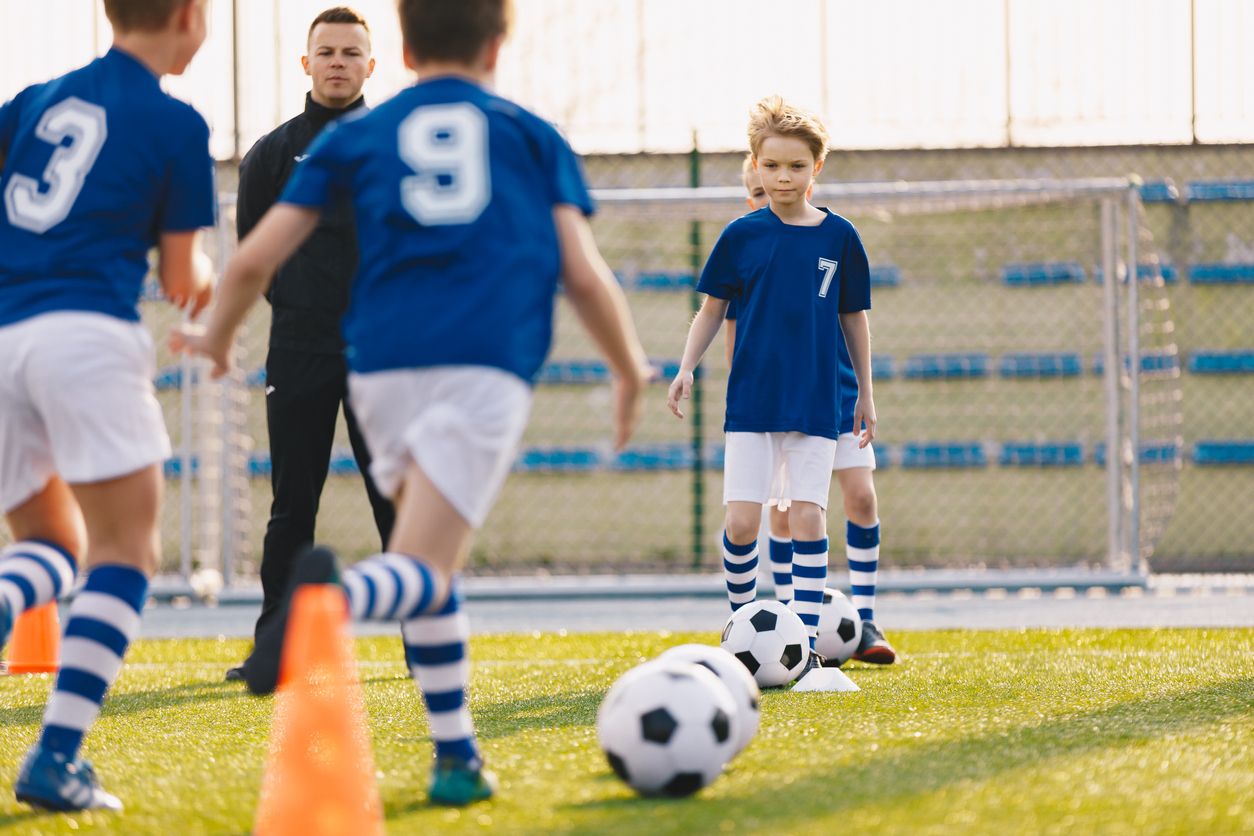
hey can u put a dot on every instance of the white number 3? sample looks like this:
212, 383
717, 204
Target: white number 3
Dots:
447, 147
829, 269
84, 124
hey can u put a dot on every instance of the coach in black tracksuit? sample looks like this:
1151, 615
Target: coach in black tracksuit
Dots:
306, 372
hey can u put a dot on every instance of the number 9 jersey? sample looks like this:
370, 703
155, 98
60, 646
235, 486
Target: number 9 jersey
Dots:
453, 190
96, 165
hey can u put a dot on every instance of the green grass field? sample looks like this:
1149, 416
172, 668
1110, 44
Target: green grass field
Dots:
976, 732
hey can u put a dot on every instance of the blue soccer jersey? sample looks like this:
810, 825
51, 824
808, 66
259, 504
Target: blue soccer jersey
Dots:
453, 189
848, 380
789, 284
96, 165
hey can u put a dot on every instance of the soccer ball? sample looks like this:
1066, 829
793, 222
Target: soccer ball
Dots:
840, 628
770, 640
666, 727
743, 688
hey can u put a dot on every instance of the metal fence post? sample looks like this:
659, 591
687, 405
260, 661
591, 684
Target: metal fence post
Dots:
698, 412
1134, 388
1110, 292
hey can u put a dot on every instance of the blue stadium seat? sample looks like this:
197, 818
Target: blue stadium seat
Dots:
558, 460
881, 366
1221, 273
654, 457
1151, 362
662, 280
1239, 361
1045, 273
1208, 190
1159, 191
885, 275
1239, 451
943, 454
1145, 272
936, 366
574, 371
170, 377
1044, 364
1030, 454
1151, 453
343, 464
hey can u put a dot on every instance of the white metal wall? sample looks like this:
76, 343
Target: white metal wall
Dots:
633, 75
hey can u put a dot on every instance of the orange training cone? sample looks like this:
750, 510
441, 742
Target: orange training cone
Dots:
319, 777
36, 644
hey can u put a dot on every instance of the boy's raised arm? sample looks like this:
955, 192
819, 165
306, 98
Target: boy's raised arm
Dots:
857, 331
280, 232
185, 273
602, 309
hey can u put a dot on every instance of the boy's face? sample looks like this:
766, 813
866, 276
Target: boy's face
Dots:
755, 195
190, 27
339, 62
787, 168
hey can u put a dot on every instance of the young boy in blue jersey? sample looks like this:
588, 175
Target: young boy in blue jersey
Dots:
469, 210
854, 466
89, 187
801, 283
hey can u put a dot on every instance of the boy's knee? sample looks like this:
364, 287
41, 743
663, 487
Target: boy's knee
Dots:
807, 521
742, 527
861, 506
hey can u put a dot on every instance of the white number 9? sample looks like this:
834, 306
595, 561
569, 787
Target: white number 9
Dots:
447, 147
85, 125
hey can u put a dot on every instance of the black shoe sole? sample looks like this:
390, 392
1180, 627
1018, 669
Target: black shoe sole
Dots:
235, 674
261, 674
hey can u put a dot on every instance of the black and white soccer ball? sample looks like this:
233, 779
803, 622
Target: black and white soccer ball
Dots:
770, 640
666, 727
743, 687
840, 628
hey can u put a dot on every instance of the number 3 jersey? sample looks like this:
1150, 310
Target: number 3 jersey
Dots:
790, 284
96, 165
453, 190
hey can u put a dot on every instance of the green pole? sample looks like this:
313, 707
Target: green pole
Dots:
698, 413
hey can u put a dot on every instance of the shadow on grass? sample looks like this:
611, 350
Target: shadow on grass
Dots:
896, 775
551, 711
130, 702
7, 819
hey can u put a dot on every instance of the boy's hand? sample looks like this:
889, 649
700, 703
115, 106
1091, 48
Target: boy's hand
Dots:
681, 389
198, 342
864, 413
627, 405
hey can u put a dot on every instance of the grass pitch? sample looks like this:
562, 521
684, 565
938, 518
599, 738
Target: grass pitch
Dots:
1127, 731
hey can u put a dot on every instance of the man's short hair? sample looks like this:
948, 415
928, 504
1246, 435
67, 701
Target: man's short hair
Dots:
339, 14
452, 30
140, 15
773, 117
746, 168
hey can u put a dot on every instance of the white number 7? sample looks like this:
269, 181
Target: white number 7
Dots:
829, 269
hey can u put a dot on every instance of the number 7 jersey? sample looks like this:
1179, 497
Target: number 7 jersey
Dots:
453, 190
96, 165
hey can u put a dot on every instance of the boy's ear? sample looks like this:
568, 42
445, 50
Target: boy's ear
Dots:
370, 68
492, 52
818, 166
183, 17
754, 162
410, 63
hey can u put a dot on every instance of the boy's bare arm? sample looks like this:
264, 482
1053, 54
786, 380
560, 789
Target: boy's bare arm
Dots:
704, 327
185, 273
731, 340
279, 233
857, 329
602, 309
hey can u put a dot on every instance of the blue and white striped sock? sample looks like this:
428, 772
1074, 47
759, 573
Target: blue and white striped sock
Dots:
103, 619
862, 548
33, 573
781, 567
809, 576
740, 570
436, 651
389, 587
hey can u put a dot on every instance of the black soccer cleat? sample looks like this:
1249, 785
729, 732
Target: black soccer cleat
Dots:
874, 648
815, 660
235, 674
261, 673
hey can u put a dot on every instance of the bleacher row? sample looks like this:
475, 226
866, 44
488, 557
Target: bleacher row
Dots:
1021, 365
910, 455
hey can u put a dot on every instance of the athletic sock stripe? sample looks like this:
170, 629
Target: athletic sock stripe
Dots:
741, 588
782, 577
357, 592
866, 614
386, 589
443, 677
82, 684
56, 561
807, 596
441, 701
750, 565
809, 619
863, 565
868, 591
862, 578
11, 593
783, 541
435, 630
70, 712
45, 585
811, 572
731, 547
452, 727
98, 632
862, 538
88, 655
410, 582
801, 547
107, 607
23, 588
422, 656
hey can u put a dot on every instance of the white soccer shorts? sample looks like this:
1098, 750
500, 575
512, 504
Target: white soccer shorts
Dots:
76, 400
461, 424
778, 468
848, 454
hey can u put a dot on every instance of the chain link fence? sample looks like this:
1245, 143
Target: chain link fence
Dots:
990, 371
